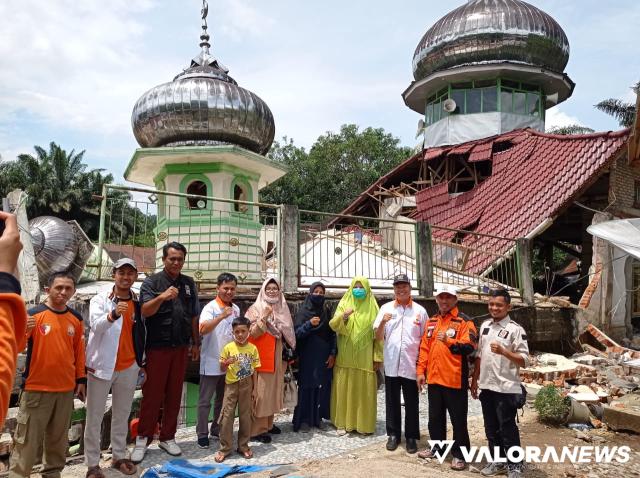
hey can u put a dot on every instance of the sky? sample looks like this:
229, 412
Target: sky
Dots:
71, 71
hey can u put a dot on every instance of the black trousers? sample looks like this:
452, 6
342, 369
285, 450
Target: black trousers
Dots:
455, 401
392, 388
499, 413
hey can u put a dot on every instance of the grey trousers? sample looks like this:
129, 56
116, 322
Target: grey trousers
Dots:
210, 385
122, 386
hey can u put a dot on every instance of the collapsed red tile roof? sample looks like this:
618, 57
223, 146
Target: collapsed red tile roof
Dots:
531, 181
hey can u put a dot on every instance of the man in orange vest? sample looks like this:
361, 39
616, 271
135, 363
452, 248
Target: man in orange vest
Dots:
449, 338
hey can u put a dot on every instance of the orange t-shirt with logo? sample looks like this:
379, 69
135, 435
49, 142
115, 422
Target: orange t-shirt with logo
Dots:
126, 353
55, 351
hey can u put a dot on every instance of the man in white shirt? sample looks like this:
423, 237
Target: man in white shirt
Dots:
400, 324
502, 350
113, 360
215, 329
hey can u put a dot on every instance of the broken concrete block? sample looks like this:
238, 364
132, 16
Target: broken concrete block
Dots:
627, 419
6, 444
583, 393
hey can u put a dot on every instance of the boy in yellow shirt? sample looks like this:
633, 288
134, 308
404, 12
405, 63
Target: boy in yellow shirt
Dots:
240, 358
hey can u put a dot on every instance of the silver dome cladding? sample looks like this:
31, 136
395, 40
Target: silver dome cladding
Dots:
485, 31
203, 106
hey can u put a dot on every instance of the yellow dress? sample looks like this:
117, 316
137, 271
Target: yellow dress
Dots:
354, 390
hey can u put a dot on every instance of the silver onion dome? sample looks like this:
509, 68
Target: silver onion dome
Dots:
486, 31
202, 106
54, 245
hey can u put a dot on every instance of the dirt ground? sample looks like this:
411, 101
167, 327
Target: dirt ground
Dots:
376, 462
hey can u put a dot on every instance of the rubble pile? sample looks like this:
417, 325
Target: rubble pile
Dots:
607, 380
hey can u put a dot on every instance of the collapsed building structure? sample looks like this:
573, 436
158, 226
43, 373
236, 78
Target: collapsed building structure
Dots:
484, 76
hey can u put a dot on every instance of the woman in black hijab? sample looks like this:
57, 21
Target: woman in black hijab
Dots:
316, 349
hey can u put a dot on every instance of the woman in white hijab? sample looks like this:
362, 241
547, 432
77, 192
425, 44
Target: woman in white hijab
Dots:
271, 323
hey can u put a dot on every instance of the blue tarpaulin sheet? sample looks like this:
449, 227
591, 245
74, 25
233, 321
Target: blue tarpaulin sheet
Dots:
198, 469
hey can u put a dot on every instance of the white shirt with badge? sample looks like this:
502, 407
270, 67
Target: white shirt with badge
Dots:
402, 336
497, 372
214, 341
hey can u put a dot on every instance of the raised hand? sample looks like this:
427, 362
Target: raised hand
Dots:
169, 294
121, 308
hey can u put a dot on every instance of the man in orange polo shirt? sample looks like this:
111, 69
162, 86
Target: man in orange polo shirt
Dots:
449, 338
54, 370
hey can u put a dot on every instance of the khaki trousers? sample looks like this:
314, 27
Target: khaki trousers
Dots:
239, 394
43, 418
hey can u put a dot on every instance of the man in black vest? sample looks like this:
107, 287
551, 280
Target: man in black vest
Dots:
170, 308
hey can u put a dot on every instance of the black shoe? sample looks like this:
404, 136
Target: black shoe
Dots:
411, 446
264, 438
275, 430
203, 442
392, 443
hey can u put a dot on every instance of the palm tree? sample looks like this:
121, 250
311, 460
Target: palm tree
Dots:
622, 111
570, 129
58, 184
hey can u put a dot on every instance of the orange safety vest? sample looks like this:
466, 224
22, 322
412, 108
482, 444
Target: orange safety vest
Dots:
266, 345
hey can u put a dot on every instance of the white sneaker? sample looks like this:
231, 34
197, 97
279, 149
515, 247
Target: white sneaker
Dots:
171, 447
493, 469
137, 455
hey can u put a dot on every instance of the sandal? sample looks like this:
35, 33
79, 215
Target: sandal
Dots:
94, 472
125, 466
426, 454
219, 457
458, 464
246, 453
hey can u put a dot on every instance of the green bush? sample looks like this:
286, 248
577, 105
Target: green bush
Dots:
551, 406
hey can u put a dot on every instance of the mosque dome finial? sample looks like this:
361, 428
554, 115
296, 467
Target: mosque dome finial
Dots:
203, 106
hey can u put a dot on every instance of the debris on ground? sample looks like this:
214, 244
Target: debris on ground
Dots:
605, 377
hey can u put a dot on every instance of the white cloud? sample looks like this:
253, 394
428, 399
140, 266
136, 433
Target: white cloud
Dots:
64, 61
239, 18
556, 118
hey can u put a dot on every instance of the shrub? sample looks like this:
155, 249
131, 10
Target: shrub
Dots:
551, 406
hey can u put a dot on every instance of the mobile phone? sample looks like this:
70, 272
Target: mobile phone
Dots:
1, 226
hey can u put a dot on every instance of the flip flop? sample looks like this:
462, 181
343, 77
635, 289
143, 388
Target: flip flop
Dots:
219, 457
125, 466
246, 453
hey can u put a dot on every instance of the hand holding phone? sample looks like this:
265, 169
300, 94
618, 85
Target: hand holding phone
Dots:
10, 245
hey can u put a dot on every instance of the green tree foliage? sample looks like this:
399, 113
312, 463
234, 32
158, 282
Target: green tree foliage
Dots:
571, 129
58, 183
623, 112
337, 168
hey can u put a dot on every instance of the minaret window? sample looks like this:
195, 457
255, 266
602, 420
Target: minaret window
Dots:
197, 188
481, 96
239, 194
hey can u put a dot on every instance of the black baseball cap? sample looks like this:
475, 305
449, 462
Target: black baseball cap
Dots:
401, 279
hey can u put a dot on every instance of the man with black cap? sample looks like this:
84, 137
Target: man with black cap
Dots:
400, 324
113, 361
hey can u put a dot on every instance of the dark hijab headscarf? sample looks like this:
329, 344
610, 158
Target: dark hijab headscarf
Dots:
313, 306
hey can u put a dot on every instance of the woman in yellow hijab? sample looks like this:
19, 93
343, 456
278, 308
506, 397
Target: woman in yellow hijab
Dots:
354, 392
